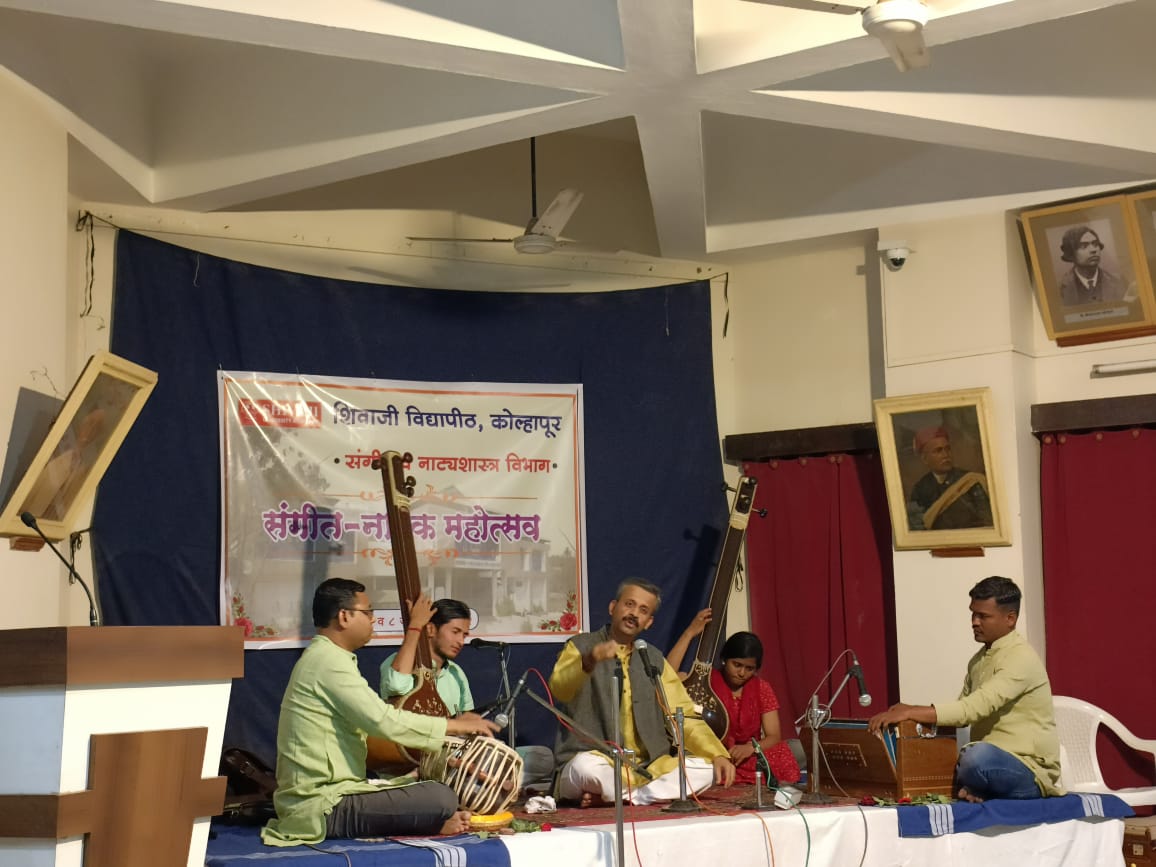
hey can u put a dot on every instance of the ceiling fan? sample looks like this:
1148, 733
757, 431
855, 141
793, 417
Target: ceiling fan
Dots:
541, 235
898, 24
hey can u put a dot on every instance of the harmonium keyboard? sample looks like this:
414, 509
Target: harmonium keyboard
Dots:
906, 760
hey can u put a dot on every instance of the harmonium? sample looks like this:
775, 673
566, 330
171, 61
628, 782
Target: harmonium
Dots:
904, 761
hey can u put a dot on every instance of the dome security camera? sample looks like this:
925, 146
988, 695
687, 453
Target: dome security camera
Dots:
897, 257
895, 253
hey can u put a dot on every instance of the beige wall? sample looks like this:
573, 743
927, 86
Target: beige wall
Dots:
34, 234
961, 314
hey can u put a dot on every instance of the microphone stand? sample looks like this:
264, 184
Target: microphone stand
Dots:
817, 716
29, 520
620, 755
598, 743
677, 723
504, 694
619, 818
683, 804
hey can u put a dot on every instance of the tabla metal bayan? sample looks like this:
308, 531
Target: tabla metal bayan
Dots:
482, 771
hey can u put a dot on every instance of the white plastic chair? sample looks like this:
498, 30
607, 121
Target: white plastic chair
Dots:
1077, 722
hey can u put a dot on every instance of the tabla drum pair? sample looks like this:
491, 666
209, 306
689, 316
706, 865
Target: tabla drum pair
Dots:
484, 772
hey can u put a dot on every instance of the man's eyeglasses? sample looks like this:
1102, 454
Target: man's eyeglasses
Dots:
368, 611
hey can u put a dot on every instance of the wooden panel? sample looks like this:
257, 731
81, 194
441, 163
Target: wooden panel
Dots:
1108, 412
145, 790
801, 442
45, 816
105, 655
148, 791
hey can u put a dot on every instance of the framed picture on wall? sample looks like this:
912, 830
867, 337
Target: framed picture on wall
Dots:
1088, 269
1143, 207
944, 488
93, 422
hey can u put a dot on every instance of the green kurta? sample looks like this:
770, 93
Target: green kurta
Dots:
327, 711
1007, 701
451, 684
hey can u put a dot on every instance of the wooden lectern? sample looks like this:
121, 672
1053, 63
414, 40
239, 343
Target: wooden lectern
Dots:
110, 743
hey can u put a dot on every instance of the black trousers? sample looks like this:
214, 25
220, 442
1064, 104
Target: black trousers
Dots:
419, 809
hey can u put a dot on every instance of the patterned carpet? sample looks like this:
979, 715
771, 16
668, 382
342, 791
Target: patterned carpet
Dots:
714, 801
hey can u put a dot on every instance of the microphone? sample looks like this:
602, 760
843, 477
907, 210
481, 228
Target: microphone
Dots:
860, 685
485, 642
29, 520
651, 672
764, 765
502, 718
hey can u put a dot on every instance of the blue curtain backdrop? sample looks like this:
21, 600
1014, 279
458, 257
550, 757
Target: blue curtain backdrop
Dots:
654, 503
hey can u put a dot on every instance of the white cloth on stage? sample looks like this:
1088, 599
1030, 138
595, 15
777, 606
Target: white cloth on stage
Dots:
593, 772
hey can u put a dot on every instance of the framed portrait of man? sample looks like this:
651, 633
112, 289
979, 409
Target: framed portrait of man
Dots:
93, 422
1088, 269
940, 470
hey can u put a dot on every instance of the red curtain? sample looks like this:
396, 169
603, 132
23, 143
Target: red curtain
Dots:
1098, 499
821, 579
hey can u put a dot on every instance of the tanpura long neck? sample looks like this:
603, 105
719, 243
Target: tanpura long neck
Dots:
404, 553
708, 644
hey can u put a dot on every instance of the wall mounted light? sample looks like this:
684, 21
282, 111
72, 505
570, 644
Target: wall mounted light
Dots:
1123, 368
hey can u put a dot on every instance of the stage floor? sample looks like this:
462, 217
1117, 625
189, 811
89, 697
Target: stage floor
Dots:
839, 835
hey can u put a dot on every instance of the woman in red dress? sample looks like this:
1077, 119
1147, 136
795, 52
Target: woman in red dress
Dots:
753, 709
750, 703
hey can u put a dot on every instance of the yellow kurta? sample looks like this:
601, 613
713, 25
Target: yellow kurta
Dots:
1007, 701
568, 678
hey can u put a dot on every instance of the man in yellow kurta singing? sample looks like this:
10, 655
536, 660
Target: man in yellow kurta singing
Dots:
584, 680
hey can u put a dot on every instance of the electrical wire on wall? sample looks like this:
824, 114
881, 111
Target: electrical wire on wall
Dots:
84, 223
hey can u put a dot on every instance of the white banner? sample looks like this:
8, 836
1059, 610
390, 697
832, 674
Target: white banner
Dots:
497, 510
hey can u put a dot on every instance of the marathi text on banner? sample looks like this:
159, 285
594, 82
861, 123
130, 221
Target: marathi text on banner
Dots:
496, 514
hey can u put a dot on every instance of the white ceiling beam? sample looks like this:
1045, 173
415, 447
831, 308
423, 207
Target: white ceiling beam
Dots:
795, 107
671, 142
658, 40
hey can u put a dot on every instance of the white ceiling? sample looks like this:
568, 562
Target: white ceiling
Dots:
695, 127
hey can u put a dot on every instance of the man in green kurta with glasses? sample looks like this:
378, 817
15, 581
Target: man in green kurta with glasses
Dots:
327, 711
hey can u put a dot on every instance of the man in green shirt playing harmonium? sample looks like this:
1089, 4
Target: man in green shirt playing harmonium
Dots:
1007, 701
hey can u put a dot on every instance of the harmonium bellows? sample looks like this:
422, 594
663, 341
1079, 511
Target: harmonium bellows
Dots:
904, 761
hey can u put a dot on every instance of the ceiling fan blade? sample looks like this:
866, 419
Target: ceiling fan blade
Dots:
460, 240
556, 215
815, 6
577, 247
908, 51
944, 7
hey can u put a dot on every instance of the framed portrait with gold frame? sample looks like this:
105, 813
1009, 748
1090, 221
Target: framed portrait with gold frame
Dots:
1143, 207
93, 422
1090, 274
940, 470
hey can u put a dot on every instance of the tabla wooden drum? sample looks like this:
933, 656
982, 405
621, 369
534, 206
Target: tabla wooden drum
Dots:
484, 772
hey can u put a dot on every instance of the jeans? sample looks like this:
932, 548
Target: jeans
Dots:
989, 772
